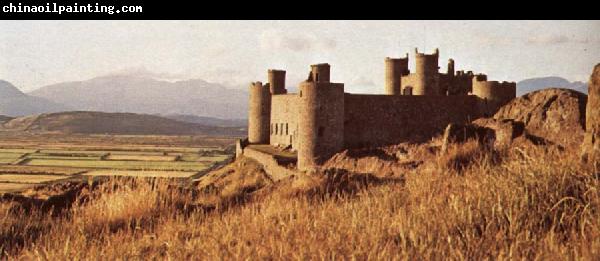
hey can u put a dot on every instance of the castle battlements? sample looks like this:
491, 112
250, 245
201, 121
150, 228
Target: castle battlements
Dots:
321, 119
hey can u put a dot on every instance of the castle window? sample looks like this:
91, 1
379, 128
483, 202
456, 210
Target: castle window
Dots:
281, 129
276, 131
321, 131
286, 129
316, 77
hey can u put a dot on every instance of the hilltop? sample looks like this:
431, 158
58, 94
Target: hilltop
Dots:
210, 121
4, 118
89, 122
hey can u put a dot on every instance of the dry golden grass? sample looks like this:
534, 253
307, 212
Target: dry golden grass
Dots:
534, 203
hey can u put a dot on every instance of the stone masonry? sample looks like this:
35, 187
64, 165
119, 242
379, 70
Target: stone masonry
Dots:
321, 119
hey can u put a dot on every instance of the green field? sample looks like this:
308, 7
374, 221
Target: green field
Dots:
47, 156
9, 157
23, 169
142, 157
20, 151
197, 157
121, 164
29, 179
6, 161
73, 152
141, 173
12, 187
127, 149
20, 166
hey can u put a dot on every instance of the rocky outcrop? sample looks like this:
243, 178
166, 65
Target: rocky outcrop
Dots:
557, 115
591, 142
459, 133
504, 131
489, 133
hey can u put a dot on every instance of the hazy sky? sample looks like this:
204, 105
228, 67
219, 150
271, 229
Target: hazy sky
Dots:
37, 53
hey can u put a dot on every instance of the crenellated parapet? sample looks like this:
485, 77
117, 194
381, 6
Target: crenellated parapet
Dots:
320, 121
277, 81
319, 72
259, 113
493, 94
426, 73
395, 68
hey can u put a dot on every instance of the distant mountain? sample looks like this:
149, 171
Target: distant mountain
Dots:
89, 122
4, 118
209, 121
15, 103
143, 94
534, 84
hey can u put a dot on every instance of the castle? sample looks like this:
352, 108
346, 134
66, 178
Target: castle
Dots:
321, 119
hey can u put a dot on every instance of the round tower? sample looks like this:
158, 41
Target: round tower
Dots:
277, 81
321, 123
450, 67
492, 94
259, 113
395, 68
320, 72
426, 73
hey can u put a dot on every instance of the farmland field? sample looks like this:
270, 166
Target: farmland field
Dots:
11, 187
141, 173
121, 164
38, 159
22, 169
142, 157
30, 179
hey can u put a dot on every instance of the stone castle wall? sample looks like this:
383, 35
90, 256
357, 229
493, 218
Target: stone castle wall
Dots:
322, 120
372, 120
493, 94
284, 120
269, 163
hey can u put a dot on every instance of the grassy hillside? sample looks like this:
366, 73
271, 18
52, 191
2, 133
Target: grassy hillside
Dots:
535, 203
86, 122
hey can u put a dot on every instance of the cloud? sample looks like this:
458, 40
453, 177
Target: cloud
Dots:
539, 39
548, 39
278, 40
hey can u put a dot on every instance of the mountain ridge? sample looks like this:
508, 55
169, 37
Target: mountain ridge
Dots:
92, 122
138, 94
13, 102
538, 83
